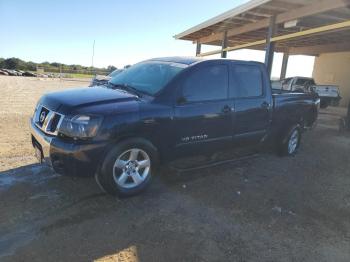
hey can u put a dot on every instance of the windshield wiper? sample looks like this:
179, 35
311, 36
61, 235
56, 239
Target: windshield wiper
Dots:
127, 88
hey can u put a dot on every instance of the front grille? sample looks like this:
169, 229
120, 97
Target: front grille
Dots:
44, 112
47, 120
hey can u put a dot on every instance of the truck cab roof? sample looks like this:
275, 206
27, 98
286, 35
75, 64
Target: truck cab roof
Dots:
187, 60
178, 59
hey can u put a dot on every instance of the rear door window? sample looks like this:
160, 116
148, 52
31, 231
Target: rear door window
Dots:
246, 81
207, 83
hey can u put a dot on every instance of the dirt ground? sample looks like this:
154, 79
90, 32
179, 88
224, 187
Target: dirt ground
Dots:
264, 208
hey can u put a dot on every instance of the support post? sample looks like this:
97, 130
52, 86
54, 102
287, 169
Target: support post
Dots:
224, 45
270, 46
284, 65
198, 49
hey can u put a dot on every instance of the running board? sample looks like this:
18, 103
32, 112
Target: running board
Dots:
214, 163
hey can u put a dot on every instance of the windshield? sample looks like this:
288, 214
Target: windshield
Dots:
148, 77
115, 72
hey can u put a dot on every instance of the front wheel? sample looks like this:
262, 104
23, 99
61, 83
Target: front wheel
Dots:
127, 168
291, 141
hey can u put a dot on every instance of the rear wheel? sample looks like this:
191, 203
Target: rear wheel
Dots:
324, 104
291, 141
127, 168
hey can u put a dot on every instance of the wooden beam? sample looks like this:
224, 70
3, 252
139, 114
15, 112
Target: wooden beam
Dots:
331, 17
319, 6
237, 47
258, 14
284, 5
318, 30
320, 49
321, 29
242, 18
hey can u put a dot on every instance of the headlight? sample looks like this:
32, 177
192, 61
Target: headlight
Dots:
80, 126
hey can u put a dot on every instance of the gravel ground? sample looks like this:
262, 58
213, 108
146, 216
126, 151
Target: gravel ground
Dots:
264, 208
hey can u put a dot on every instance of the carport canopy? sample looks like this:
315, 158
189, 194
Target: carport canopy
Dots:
308, 27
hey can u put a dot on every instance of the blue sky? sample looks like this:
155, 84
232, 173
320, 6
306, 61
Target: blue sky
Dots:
125, 31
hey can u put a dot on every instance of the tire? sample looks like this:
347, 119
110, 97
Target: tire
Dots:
290, 142
128, 168
324, 104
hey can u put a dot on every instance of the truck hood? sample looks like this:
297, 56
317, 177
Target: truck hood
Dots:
72, 100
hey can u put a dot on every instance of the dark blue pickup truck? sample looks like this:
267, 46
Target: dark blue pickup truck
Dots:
161, 109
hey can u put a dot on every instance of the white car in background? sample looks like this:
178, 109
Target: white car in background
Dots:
329, 94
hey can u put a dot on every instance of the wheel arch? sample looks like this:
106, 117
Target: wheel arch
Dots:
311, 116
285, 138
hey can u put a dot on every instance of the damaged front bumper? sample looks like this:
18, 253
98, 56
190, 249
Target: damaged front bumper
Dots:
67, 157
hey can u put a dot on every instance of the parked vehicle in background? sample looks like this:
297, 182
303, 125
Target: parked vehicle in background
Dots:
19, 72
10, 72
27, 73
2, 72
42, 75
102, 80
161, 109
329, 94
276, 85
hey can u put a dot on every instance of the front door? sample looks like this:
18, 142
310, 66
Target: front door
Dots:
203, 113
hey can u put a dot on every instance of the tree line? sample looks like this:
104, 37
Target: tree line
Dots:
18, 64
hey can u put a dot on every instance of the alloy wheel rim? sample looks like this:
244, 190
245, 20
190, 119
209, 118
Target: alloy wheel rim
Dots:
131, 168
293, 141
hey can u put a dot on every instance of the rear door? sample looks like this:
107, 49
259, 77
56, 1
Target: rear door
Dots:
253, 105
203, 113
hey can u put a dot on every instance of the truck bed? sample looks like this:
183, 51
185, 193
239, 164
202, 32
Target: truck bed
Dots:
283, 96
288, 106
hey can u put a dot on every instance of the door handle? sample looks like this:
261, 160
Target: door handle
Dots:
227, 109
